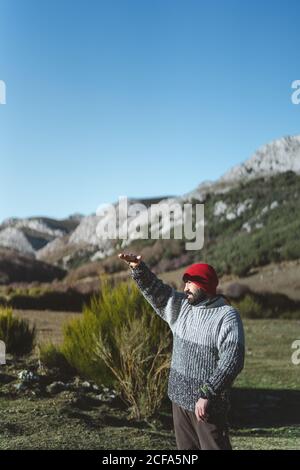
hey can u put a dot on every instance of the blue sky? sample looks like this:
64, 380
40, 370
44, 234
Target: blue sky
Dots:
137, 98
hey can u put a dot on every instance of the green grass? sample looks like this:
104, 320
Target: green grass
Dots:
268, 418
46, 424
268, 355
281, 438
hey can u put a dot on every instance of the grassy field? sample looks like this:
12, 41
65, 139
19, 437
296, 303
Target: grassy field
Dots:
48, 323
265, 412
268, 361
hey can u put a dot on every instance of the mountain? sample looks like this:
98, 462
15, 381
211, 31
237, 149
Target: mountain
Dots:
31, 234
279, 156
244, 208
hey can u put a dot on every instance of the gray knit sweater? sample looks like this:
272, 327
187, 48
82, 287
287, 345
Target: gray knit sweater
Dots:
208, 342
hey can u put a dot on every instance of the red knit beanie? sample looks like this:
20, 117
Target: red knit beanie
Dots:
203, 275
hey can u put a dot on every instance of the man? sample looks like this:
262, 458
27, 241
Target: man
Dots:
208, 351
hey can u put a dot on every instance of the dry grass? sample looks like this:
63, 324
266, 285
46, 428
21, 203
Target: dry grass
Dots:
48, 323
283, 278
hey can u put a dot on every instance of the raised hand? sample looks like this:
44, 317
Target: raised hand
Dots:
132, 260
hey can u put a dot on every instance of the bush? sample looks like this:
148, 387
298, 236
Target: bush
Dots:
138, 355
250, 308
16, 333
107, 313
52, 357
291, 315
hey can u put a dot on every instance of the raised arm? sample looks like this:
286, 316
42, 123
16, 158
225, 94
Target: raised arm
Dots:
165, 300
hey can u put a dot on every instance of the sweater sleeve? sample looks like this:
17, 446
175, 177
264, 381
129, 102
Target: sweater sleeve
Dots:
165, 300
231, 353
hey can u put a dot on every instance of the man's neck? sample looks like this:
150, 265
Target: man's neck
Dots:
206, 300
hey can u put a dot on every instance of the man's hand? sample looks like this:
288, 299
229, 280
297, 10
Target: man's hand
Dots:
132, 260
201, 408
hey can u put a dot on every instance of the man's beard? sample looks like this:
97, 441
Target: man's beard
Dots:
197, 297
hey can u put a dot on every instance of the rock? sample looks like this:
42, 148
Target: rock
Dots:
99, 397
56, 387
69, 386
26, 376
107, 398
86, 385
76, 382
20, 387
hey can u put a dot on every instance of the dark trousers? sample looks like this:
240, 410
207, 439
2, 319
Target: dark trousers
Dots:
192, 434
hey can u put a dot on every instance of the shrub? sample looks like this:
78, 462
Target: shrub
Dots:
106, 314
18, 336
138, 355
291, 315
52, 357
250, 308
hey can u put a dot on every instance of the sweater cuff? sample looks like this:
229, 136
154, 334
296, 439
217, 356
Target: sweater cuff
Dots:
139, 269
206, 392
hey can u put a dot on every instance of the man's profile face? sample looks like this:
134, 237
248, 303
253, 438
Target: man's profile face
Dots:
194, 293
